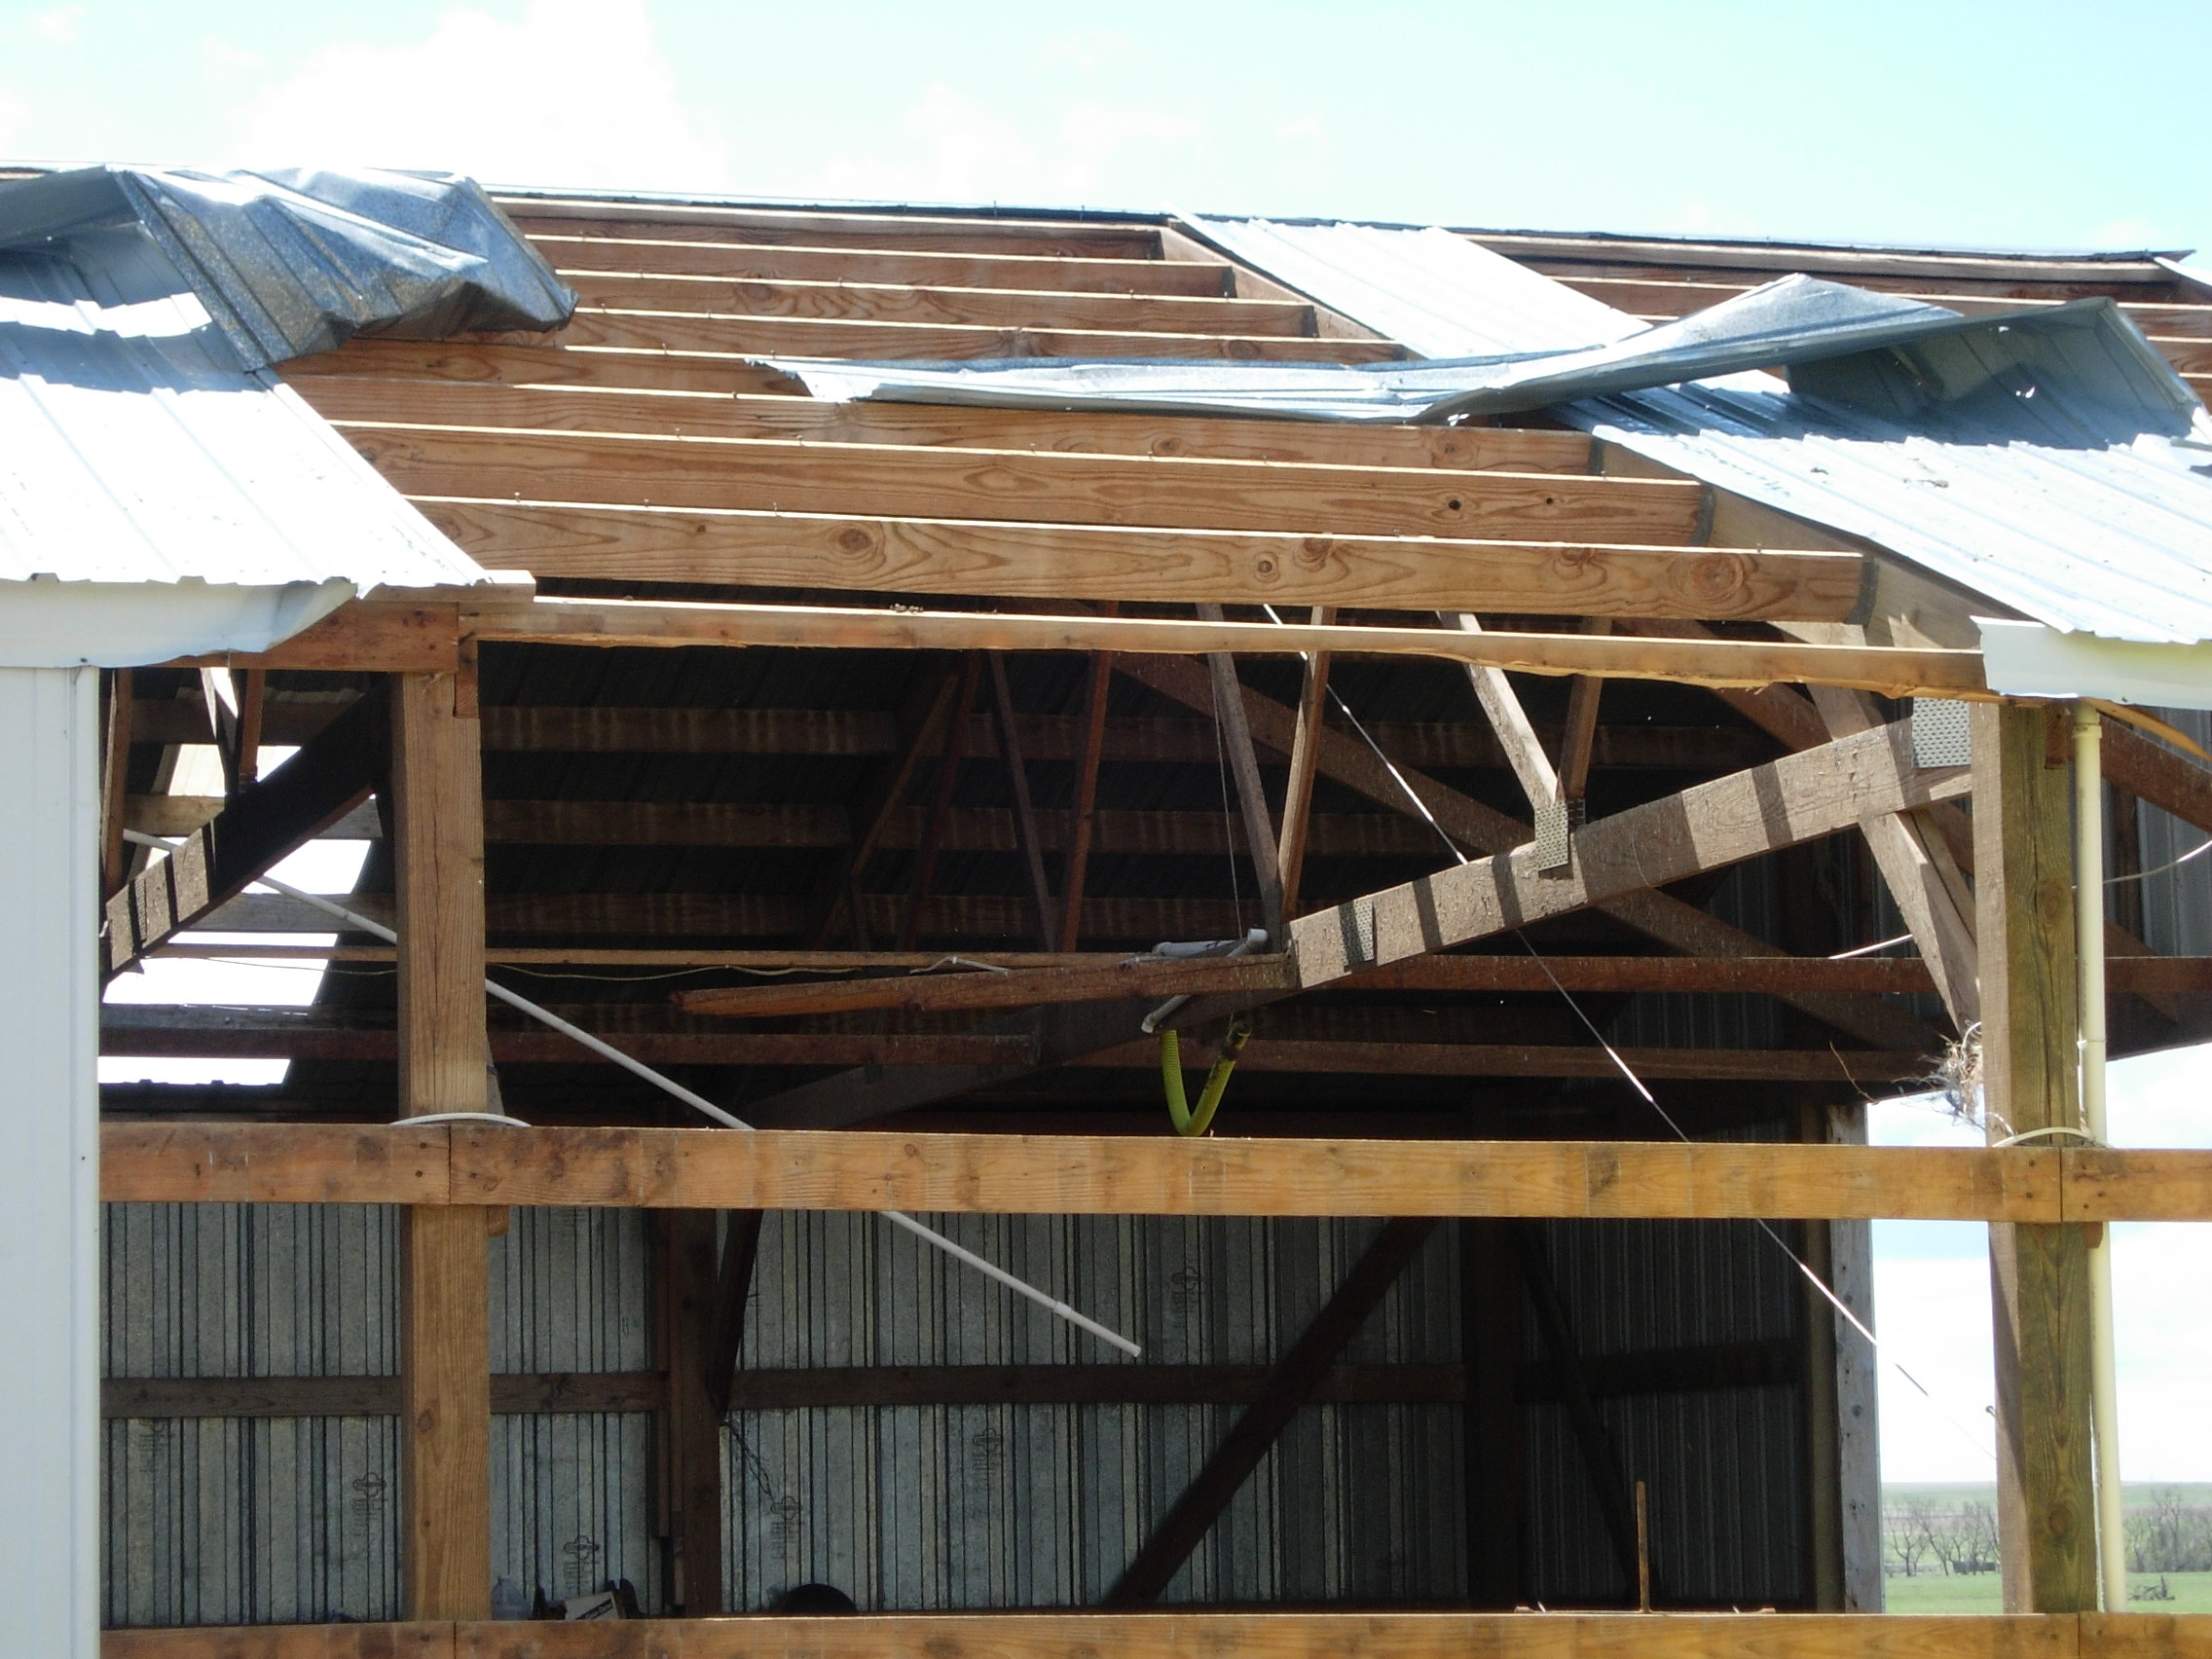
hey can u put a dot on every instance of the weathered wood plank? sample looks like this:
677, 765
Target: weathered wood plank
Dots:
2024, 922
503, 388
1076, 1174
1891, 671
1305, 1634
180, 1164
1787, 802
519, 1393
445, 1365
742, 261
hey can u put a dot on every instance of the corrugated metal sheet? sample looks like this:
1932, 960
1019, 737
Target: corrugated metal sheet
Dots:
255, 1520
131, 452
923, 1507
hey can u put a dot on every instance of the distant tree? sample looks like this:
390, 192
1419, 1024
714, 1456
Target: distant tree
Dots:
1904, 1531
2168, 1535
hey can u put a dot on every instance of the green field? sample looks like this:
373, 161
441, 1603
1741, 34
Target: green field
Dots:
1977, 1593
1929, 1591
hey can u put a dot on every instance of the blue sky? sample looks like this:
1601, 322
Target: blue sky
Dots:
2014, 124
1967, 122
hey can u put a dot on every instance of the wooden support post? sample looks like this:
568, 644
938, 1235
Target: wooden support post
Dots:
940, 806
1086, 797
691, 1425
1024, 811
1491, 1343
1287, 1388
1244, 766
253, 694
445, 1336
2040, 1273
1524, 750
1304, 758
1580, 738
115, 783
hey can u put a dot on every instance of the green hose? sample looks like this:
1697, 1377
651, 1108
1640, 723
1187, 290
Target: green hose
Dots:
1188, 1122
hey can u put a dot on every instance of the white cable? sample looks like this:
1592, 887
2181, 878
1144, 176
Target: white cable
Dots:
959, 1253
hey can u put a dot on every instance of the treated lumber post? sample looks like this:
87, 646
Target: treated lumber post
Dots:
1288, 1386
1024, 811
691, 1425
733, 1291
940, 806
115, 783
2040, 1275
444, 1271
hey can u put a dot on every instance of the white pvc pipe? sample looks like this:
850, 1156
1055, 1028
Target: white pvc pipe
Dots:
2090, 938
668, 1084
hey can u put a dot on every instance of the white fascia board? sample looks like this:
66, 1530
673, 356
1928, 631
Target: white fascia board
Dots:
46, 623
2026, 659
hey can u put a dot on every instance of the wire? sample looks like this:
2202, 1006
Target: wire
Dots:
1780, 1244
1869, 949
2170, 863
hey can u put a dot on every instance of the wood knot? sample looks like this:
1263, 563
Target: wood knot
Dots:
855, 540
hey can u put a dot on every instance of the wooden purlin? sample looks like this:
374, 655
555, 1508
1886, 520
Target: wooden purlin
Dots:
1303, 1635
466, 1166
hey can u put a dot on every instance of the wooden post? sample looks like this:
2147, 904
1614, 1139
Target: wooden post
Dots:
1024, 810
1077, 865
2040, 1274
691, 1427
444, 1271
1251, 797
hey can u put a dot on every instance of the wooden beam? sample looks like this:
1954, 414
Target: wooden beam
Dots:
1251, 796
525, 388
1301, 1634
690, 1425
190, 1163
733, 1297
1888, 670
1128, 977
443, 1270
1917, 867
1600, 1459
1305, 754
1477, 827
520, 1394
1084, 816
842, 482
1790, 801
2169, 781
1501, 706
940, 808
331, 774
2023, 889
739, 261
880, 802
988, 231
856, 298
115, 781
1578, 741
1025, 812
1547, 573
1288, 1386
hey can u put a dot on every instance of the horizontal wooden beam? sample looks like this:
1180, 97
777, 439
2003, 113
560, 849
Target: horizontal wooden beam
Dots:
485, 386
765, 473
201, 1162
570, 729
854, 297
741, 261
1798, 798
742, 336
988, 230
1888, 670
1304, 1634
524, 1394
586, 527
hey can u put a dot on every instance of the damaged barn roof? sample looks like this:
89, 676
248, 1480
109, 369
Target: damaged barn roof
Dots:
2045, 458
142, 437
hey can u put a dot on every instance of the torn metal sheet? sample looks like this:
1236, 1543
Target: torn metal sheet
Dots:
291, 262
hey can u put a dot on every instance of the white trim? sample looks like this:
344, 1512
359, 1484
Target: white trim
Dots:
2026, 659
46, 623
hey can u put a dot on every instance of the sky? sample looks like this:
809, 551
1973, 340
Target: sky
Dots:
2018, 124
2021, 123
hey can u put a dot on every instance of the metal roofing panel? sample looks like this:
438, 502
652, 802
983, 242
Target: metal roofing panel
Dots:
132, 449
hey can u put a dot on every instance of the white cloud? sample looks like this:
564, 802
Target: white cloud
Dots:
950, 146
62, 26
570, 93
